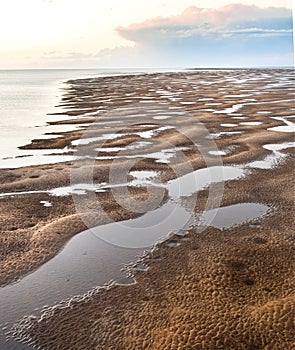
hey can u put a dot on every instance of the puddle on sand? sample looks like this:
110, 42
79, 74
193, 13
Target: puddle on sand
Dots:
233, 215
217, 153
199, 179
110, 149
228, 125
172, 244
46, 203
77, 189
141, 267
228, 150
88, 261
162, 156
103, 137
250, 123
206, 99
289, 127
188, 103
14, 163
96, 263
62, 191
230, 110
283, 128
111, 136
272, 160
133, 146
181, 233
83, 188
161, 117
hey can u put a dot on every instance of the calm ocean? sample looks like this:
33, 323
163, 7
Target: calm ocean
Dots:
26, 97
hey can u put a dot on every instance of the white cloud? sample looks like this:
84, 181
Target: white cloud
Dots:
194, 21
233, 35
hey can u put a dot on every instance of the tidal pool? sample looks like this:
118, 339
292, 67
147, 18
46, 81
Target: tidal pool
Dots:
273, 159
233, 215
97, 255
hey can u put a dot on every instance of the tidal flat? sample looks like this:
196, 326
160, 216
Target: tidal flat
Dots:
158, 154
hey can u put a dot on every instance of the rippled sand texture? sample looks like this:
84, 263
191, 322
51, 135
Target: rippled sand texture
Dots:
231, 289
213, 98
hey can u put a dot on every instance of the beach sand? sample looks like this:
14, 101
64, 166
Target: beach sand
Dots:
220, 289
231, 289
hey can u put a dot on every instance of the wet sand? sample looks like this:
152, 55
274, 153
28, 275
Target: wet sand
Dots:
230, 289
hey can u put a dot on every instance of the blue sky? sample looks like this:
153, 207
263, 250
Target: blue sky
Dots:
146, 33
234, 35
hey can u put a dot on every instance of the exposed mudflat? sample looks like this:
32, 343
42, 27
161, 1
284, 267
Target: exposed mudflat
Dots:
225, 287
219, 289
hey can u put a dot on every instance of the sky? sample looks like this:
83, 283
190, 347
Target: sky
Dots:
145, 33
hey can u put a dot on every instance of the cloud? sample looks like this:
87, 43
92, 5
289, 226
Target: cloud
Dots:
228, 35
202, 22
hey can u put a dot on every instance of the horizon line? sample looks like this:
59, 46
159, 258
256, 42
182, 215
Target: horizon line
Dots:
154, 68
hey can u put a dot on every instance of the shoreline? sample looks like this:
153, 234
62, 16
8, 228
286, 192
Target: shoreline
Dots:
32, 233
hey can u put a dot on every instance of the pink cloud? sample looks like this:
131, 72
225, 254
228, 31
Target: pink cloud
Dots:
230, 36
206, 20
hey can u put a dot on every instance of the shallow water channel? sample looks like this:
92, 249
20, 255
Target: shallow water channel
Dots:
97, 255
